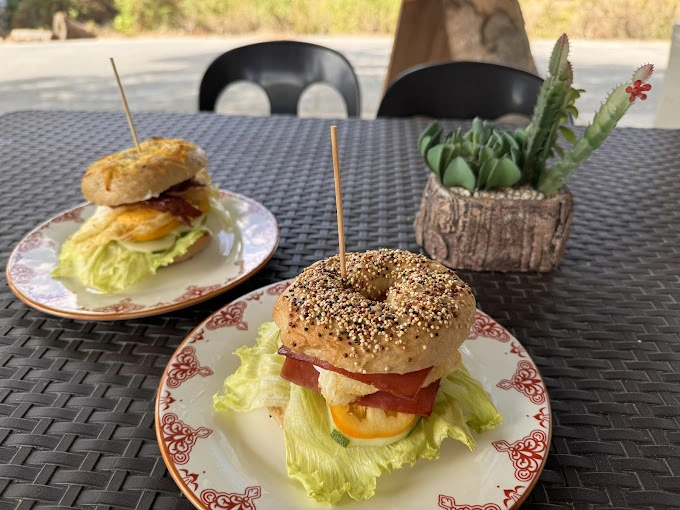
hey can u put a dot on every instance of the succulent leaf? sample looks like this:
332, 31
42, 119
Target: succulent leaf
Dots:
435, 158
425, 144
458, 173
568, 134
429, 138
484, 172
467, 149
485, 154
559, 56
521, 136
605, 120
476, 133
516, 155
509, 141
503, 175
643, 73
573, 111
544, 123
486, 157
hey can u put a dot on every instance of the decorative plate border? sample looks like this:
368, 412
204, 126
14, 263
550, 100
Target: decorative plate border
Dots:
525, 455
18, 274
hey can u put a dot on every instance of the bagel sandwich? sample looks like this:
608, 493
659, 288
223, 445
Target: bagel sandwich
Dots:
364, 373
154, 207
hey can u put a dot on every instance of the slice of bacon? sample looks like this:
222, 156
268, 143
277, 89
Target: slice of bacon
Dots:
184, 185
304, 374
301, 373
402, 385
178, 207
422, 404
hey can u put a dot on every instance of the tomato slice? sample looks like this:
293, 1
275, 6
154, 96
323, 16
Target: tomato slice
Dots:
363, 422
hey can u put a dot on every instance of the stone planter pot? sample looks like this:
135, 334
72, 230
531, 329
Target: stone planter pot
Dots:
493, 234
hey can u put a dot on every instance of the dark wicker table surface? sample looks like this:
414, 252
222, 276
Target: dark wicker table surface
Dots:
77, 397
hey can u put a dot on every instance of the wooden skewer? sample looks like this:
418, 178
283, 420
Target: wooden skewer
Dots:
125, 105
338, 199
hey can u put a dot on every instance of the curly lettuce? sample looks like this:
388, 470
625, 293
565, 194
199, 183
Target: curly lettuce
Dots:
97, 257
326, 470
113, 267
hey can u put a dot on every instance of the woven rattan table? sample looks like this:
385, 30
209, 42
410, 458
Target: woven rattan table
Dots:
76, 398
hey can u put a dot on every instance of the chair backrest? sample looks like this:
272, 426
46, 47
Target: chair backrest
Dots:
461, 90
284, 69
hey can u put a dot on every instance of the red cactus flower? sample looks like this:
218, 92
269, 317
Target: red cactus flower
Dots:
638, 90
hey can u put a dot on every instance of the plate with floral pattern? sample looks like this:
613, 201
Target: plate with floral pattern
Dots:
232, 257
237, 460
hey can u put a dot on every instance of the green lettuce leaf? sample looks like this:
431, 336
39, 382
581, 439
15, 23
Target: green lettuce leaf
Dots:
95, 257
221, 215
326, 470
112, 267
257, 382
470, 395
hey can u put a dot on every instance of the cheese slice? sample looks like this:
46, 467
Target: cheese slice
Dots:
160, 244
340, 390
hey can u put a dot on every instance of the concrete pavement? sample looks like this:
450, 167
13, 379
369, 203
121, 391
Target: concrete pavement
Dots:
163, 74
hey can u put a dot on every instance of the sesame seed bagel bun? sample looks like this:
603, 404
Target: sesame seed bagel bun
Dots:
395, 312
198, 246
128, 176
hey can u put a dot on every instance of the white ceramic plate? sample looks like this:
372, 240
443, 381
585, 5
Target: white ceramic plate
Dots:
231, 258
237, 460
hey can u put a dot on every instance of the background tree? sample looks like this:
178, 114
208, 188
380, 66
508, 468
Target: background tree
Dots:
38, 13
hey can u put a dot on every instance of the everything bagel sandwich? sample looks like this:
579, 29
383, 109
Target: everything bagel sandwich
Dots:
155, 207
363, 372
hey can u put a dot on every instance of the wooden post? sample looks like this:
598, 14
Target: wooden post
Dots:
65, 28
431, 31
420, 37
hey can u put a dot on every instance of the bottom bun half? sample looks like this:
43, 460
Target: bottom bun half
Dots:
200, 245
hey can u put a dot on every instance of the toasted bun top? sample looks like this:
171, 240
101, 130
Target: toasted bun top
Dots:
395, 312
128, 176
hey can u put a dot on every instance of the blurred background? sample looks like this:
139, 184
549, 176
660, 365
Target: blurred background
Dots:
162, 48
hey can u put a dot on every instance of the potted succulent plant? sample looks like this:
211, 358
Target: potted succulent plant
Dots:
497, 199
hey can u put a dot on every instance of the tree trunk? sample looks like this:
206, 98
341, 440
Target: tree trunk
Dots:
480, 30
488, 31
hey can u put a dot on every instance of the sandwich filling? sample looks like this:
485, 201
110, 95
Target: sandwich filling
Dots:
118, 246
342, 429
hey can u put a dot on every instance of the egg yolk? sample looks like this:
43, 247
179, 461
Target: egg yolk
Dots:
139, 216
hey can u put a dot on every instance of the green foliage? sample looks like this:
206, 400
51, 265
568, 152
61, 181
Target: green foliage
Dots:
621, 19
138, 15
611, 111
604, 19
555, 102
38, 13
241, 16
487, 157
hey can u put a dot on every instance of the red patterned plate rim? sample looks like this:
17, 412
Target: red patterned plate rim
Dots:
482, 326
146, 311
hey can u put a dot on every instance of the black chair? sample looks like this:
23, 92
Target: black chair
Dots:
461, 90
284, 69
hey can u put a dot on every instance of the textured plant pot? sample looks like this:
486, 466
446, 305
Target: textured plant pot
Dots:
485, 234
